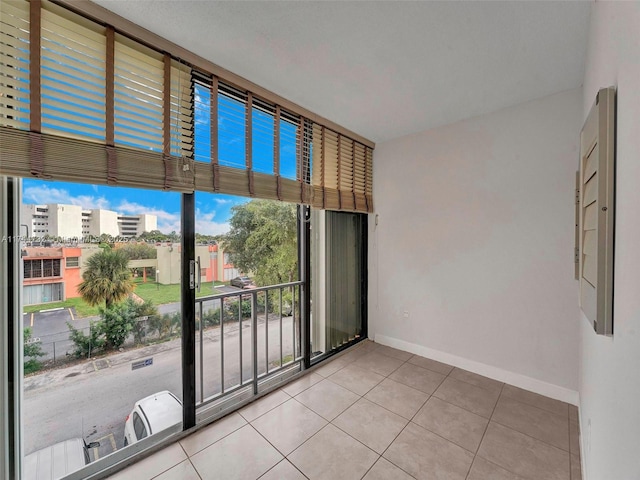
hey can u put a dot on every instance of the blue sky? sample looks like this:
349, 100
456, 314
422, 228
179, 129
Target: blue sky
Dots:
212, 210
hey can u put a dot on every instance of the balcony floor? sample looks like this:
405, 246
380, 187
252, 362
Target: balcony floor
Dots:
380, 413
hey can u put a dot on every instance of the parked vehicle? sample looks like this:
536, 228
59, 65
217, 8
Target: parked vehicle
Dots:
242, 282
58, 461
151, 415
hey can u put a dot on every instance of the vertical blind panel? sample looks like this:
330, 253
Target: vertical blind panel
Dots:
181, 111
202, 127
139, 79
73, 64
263, 137
14, 64
231, 129
288, 149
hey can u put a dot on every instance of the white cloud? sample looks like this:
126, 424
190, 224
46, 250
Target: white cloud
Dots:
42, 194
205, 224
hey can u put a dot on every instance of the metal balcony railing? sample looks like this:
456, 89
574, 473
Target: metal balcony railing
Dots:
244, 337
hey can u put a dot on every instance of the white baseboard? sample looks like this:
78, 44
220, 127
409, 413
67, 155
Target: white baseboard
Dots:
512, 378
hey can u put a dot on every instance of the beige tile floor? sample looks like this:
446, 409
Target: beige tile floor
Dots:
380, 413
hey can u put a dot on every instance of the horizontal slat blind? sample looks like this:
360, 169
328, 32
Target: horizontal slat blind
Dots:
14, 64
289, 144
347, 198
231, 127
263, 137
72, 66
341, 172
86, 162
182, 135
139, 83
96, 106
369, 177
250, 145
360, 176
317, 165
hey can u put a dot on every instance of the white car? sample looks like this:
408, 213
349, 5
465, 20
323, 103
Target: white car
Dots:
57, 461
151, 415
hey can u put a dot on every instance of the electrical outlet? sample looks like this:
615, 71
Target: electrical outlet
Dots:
405, 314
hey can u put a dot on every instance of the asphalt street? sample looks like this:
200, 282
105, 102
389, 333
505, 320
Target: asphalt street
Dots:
50, 327
92, 400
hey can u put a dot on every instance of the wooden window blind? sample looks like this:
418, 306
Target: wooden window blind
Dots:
14, 64
342, 172
72, 73
596, 208
84, 102
256, 141
139, 87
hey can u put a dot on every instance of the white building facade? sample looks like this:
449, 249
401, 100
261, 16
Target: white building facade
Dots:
72, 221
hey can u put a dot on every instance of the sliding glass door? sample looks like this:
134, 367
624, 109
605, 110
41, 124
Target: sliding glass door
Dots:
338, 246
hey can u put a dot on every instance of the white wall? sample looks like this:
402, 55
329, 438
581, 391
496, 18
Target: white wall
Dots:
475, 241
65, 220
610, 373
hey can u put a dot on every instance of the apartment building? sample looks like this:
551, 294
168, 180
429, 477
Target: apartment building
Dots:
72, 221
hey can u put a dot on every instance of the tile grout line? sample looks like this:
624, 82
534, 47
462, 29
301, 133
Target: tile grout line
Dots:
531, 436
535, 406
194, 467
349, 435
221, 438
272, 446
485, 430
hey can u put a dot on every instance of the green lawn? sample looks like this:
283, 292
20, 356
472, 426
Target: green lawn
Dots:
157, 293
81, 307
160, 294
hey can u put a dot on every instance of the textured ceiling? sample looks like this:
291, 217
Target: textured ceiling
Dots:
383, 69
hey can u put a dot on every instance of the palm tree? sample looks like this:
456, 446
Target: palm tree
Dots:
107, 278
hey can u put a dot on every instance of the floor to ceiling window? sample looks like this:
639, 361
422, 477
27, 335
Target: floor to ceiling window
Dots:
102, 354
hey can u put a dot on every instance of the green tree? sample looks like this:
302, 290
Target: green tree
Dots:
32, 351
263, 240
107, 278
153, 236
85, 345
117, 322
138, 251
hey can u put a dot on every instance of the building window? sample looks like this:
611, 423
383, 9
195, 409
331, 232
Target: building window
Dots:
42, 268
73, 262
